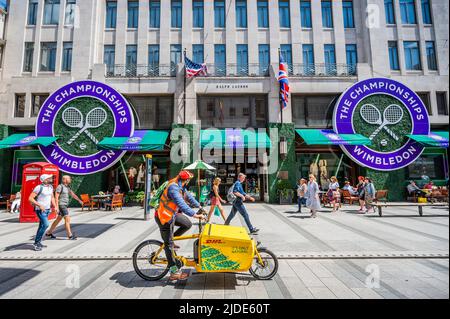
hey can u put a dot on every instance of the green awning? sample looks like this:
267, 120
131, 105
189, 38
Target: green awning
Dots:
329, 137
26, 139
140, 141
234, 138
438, 139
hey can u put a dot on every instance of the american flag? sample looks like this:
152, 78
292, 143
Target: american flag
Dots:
194, 69
284, 82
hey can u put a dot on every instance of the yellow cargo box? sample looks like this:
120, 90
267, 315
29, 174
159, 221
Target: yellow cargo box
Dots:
225, 249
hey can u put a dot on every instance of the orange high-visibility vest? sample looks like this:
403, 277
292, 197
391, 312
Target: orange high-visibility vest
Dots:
167, 208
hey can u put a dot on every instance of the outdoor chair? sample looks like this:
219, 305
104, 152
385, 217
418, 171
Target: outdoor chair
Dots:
116, 201
9, 202
4, 199
381, 196
349, 197
87, 201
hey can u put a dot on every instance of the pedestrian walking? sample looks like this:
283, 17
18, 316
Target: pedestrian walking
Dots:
238, 203
42, 198
216, 200
360, 190
369, 194
302, 188
312, 196
332, 187
15, 205
62, 199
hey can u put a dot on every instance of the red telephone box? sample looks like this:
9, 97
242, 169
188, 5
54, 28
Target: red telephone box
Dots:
30, 179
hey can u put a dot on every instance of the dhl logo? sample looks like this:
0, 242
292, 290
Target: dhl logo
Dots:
214, 241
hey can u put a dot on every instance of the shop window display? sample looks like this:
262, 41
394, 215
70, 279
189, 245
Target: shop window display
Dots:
427, 165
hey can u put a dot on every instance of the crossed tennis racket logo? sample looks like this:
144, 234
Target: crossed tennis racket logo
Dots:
73, 118
392, 115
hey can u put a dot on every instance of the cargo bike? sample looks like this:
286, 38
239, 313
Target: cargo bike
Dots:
217, 248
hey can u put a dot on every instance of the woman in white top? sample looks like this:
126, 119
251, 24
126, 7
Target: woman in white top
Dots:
312, 196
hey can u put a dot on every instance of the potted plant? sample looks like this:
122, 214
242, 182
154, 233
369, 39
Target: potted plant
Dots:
285, 192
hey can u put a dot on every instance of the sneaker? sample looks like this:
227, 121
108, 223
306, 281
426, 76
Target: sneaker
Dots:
254, 231
73, 237
42, 246
178, 276
37, 247
50, 236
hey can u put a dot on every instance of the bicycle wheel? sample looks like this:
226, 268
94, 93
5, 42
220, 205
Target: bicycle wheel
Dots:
268, 269
143, 264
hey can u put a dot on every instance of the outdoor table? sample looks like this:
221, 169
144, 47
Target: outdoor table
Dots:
101, 199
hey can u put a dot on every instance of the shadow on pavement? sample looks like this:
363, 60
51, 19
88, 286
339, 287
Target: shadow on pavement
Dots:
22, 246
129, 218
84, 230
20, 275
14, 220
123, 279
408, 216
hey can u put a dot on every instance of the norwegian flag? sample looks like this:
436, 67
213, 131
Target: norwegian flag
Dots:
194, 69
284, 82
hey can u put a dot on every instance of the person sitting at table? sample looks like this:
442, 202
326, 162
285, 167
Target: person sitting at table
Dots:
352, 190
429, 185
413, 189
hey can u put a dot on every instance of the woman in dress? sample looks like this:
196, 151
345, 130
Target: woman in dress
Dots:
312, 196
216, 200
369, 194
360, 189
333, 186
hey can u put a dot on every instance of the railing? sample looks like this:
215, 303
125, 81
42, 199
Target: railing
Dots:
140, 70
237, 70
323, 70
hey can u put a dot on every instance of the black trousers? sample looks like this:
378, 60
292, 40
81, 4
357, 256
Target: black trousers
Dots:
167, 234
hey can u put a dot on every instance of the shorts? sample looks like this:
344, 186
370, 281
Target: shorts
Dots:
63, 211
215, 201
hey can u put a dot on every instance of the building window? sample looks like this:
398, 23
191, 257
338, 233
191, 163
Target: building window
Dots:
154, 112
109, 57
32, 12
232, 111
133, 14
347, 7
441, 99
352, 58
67, 56
313, 111
330, 59
432, 166
175, 57
220, 59
393, 55
153, 54
219, 13
155, 13
241, 13
48, 56
431, 56
37, 100
242, 59
111, 14
70, 12
19, 107
131, 60
28, 57
327, 14
177, 14
389, 11
308, 59
263, 13
426, 12
51, 11
264, 58
197, 11
286, 51
197, 53
408, 11
425, 97
412, 55
305, 14
284, 12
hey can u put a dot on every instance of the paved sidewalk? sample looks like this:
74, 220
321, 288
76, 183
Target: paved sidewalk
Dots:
331, 256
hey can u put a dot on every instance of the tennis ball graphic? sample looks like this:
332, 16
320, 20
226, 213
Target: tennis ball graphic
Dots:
82, 146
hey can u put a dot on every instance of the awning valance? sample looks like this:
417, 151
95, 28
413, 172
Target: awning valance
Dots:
26, 139
234, 138
329, 137
140, 141
439, 139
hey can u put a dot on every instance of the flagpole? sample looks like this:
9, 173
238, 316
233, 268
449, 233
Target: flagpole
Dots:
282, 138
184, 92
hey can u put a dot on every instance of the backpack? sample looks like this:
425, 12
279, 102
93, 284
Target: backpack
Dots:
41, 188
154, 201
230, 195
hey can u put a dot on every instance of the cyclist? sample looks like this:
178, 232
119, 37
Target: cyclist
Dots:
173, 204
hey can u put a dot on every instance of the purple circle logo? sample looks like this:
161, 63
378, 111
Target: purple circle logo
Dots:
385, 111
81, 114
